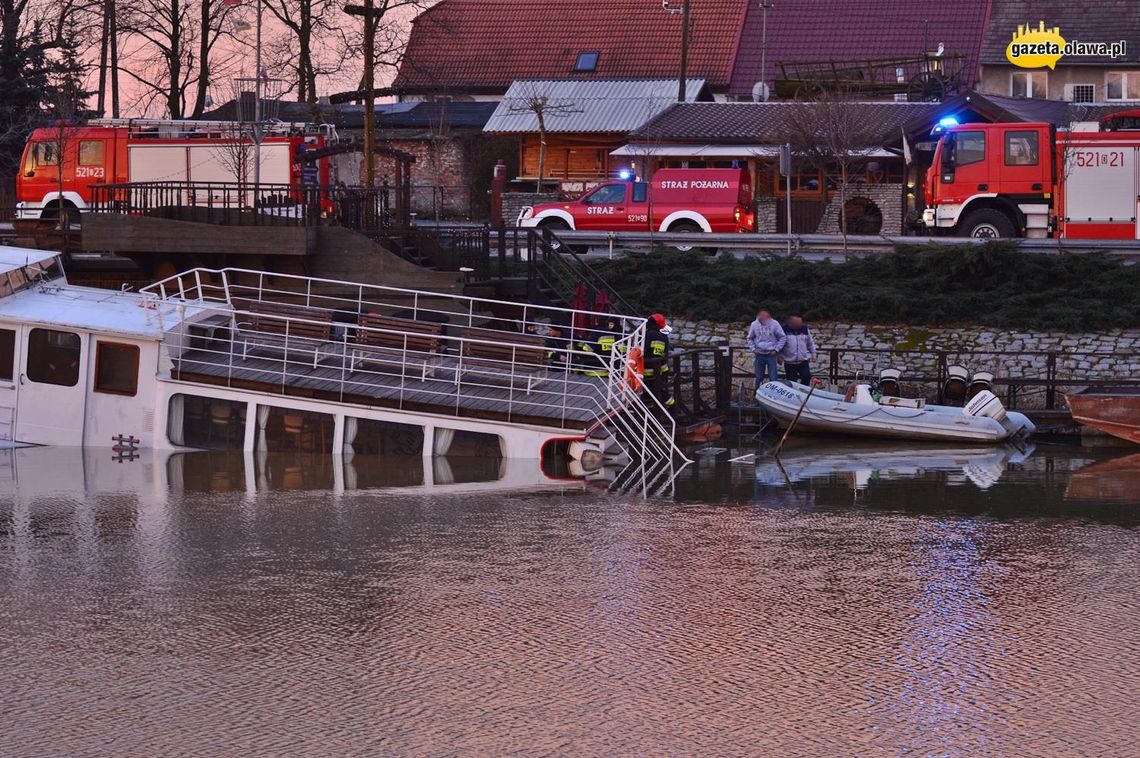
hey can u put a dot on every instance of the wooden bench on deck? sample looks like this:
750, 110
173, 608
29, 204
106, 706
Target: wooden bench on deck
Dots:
285, 328
503, 356
399, 341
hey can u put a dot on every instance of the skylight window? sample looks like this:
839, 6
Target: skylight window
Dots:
587, 61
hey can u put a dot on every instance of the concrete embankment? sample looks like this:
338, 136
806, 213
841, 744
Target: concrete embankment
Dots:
1107, 355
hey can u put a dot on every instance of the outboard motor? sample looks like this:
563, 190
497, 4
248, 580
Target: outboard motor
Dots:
889, 382
981, 381
985, 404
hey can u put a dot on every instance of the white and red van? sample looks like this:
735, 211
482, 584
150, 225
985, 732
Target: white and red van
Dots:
675, 200
140, 150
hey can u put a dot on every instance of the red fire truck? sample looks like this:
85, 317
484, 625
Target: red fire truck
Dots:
113, 151
1031, 180
676, 200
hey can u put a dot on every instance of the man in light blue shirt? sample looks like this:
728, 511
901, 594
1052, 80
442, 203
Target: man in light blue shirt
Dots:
765, 339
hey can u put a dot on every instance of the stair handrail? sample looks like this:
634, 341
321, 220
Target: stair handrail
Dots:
550, 253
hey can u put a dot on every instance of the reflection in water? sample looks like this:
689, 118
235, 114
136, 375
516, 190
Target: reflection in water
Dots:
222, 603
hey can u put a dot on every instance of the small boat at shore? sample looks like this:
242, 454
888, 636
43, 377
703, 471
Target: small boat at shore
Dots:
983, 420
1112, 410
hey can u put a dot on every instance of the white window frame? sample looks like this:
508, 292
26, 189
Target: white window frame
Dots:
1030, 77
1124, 76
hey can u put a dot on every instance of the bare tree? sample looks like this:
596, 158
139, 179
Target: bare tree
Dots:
174, 52
382, 42
833, 133
534, 99
313, 43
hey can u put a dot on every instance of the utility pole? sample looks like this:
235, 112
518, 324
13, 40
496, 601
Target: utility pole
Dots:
370, 15
684, 51
257, 93
684, 74
764, 6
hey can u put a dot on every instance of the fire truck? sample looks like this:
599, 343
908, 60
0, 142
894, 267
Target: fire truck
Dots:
115, 151
675, 200
1032, 180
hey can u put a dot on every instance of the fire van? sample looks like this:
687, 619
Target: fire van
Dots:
675, 200
1031, 180
114, 151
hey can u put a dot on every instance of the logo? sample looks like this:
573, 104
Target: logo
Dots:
1040, 47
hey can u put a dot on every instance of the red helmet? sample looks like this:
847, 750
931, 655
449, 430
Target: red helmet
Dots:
659, 319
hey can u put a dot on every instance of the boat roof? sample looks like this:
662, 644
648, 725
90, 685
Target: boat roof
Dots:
58, 304
12, 258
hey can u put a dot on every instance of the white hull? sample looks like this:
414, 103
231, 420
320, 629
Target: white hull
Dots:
867, 461
828, 412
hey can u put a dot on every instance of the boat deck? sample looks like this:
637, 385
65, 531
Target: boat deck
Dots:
557, 398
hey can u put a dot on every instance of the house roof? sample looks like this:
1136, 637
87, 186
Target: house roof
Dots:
996, 108
577, 106
1103, 21
408, 115
848, 32
765, 123
484, 45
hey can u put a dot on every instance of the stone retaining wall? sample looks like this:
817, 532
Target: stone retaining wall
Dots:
513, 202
1113, 354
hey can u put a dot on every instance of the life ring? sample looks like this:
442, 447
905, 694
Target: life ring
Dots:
635, 369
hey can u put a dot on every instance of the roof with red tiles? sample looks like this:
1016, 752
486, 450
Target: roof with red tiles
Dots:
846, 31
481, 46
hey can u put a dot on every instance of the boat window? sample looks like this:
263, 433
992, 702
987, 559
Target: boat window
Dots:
460, 443
53, 357
7, 354
366, 436
206, 422
116, 368
290, 430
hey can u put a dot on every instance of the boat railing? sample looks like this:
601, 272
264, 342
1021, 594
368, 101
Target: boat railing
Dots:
447, 353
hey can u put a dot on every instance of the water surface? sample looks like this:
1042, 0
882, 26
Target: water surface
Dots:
850, 601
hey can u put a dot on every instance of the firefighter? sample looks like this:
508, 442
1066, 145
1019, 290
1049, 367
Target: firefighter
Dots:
657, 331
603, 346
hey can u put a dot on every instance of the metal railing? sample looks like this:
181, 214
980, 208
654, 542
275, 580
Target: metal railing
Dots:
713, 380
246, 204
570, 387
857, 245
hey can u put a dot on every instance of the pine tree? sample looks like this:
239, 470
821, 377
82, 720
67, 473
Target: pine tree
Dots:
24, 85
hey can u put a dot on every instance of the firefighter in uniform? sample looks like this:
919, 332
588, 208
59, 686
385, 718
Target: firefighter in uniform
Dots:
657, 331
603, 346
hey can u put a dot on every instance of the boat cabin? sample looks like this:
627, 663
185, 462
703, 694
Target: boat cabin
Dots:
234, 359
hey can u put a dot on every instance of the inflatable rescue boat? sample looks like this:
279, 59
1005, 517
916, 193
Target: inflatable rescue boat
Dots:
858, 413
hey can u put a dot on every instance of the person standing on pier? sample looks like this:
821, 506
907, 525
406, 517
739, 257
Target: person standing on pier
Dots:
766, 339
798, 351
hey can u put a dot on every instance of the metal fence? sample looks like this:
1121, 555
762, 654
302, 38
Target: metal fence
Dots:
246, 204
717, 380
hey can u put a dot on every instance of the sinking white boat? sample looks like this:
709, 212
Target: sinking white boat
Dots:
983, 420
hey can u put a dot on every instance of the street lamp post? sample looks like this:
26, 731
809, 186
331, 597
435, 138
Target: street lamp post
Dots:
684, 73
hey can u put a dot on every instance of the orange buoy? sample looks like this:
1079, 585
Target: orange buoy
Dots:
635, 369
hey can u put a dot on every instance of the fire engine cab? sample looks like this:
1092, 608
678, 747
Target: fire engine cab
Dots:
676, 200
114, 151
1031, 180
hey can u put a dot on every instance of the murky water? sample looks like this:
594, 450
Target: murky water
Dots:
848, 601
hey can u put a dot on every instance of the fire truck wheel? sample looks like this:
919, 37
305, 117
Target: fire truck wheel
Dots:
55, 210
986, 223
557, 226
687, 227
